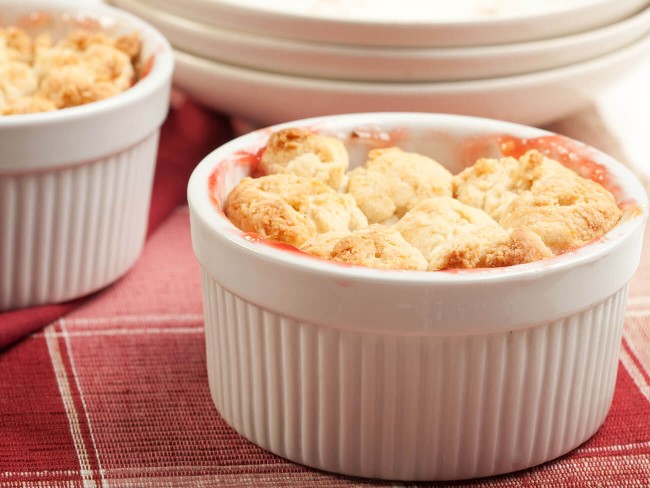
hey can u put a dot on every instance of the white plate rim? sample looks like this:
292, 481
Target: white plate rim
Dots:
403, 34
364, 63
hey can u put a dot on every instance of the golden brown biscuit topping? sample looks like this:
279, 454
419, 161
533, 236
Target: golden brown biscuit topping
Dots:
290, 209
39, 75
565, 213
392, 182
376, 246
303, 153
406, 211
491, 184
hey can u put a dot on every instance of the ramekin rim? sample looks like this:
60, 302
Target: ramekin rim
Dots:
221, 226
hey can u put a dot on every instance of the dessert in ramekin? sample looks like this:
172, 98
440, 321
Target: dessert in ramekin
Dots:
75, 183
412, 375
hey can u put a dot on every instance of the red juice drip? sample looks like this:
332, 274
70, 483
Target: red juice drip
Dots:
630, 209
240, 158
148, 67
562, 149
34, 19
253, 160
255, 238
213, 181
87, 23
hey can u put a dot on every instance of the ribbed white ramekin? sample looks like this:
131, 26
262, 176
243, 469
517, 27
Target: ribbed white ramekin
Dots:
410, 375
75, 184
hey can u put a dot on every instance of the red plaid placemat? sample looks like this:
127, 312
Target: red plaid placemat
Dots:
115, 393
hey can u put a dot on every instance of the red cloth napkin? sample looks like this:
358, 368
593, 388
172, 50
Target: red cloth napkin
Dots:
189, 133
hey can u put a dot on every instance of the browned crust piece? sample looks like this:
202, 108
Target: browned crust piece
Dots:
306, 154
565, 213
376, 246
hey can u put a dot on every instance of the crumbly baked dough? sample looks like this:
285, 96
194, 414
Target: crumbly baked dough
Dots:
451, 234
38, 75
376, 246
29, 105
566, 213
492, 184
303, 153
393, 181
498, 212
287, 208
15, 45
519, 246
17, 80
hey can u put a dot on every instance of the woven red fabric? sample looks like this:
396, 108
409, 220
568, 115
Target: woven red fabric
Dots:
188, 134
114, 392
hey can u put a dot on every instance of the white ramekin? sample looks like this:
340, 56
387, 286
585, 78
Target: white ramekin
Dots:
410, 375
75, 184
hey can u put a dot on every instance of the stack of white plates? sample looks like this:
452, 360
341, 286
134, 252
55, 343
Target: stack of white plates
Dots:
269, 61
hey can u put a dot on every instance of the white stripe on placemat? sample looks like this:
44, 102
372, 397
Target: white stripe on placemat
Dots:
639, 300
635, 300
40, 474
135, 319
635, 373
643, 312
66, 395
66, 338
135, 331
177, 473
614, 448
632, 340
132, 319
556, 472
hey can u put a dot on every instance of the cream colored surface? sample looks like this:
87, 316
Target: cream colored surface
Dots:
623, 110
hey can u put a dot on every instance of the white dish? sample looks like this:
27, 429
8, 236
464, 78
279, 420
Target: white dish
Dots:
552, 19
75, 183
535, 98
409, 375
412, 11
386, 64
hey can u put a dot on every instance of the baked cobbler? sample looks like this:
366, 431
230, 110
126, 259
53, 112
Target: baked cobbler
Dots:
38, 74
451, 234
303, 153
392, 182
377, 246
292, 209
406, 211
